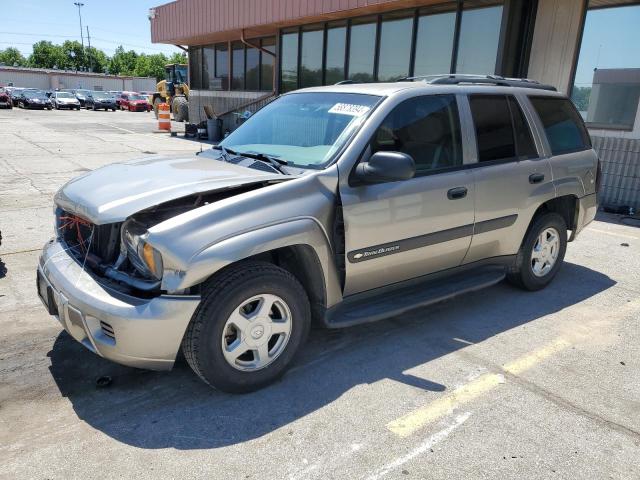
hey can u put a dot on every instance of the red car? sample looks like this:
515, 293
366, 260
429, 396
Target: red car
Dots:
134, 102
5, 99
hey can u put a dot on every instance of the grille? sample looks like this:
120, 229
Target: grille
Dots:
84, 237
107, 330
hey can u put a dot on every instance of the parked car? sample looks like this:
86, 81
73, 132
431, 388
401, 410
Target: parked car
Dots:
34, 99
62, 99
99, 100
15, 93
5, 98
81, 95
116, 95
134, 102
120, 96
374, 200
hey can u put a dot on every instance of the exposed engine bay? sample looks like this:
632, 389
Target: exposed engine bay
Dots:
117, 253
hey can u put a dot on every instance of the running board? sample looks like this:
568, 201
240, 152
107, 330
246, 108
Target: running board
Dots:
385, 303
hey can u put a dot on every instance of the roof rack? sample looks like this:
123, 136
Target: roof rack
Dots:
456, 79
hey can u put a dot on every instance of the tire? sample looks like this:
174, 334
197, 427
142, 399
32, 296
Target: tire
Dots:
524, 274
180, 109
225, 294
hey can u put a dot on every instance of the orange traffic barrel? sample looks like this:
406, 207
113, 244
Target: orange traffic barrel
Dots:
164, 117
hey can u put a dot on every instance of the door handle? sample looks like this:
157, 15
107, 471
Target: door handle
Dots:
536, 178
457, 193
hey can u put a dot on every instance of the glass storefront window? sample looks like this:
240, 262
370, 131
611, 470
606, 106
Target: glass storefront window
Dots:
222, 67
195, 67
253, 69
336, 47
434, 43
479, 37
395, 48
289, 61
209, 68
362, 50
266, 63
237, 77
311, 57
606, 88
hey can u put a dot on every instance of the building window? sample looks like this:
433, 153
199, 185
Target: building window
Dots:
606, 88
289, 61
434, 43
253, 69
395, 48
362, 50
266, 63
238, 63
336, 49
311, 56
222, 67
208, 68
479, 37
195, 67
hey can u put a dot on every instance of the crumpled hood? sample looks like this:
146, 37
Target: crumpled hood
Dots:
115, 192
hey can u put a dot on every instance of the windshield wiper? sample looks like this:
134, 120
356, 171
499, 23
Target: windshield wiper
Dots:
273, 161
225, 152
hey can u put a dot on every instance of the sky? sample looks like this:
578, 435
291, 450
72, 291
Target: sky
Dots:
611, 39
111, 23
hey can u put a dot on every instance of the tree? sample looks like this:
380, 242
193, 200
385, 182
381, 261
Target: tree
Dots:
74, 57
47, 55
150, 66
178, 57
123, 63
12, 57
97, 60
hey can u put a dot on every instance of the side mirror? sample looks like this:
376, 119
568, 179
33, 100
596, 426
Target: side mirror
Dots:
385, 167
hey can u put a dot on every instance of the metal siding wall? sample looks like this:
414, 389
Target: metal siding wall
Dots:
620, 160
25, 79
144, 84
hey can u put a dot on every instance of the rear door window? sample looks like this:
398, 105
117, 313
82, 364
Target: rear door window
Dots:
525, 146
494, 132
562, 124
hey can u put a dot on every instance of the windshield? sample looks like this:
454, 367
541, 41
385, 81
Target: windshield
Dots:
303, 129
136, 97
101, 95
82, 92
64, 95
34, 94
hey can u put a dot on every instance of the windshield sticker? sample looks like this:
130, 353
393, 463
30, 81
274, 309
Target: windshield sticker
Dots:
349, 109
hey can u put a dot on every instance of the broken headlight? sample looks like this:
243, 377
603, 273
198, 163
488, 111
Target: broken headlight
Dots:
144, 258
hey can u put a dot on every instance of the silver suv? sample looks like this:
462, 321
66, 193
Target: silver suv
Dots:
337, 205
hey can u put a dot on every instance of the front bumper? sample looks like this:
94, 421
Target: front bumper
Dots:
143, 333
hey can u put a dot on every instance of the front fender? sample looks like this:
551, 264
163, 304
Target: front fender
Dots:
302, 231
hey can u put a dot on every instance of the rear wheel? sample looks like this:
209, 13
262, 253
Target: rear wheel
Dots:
541, 254
251, 322
180, 109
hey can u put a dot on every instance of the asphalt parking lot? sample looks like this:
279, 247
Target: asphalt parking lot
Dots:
501, 384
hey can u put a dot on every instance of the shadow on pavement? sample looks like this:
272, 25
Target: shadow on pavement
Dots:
175, 409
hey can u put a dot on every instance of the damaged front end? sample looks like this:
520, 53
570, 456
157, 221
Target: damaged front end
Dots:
118, 253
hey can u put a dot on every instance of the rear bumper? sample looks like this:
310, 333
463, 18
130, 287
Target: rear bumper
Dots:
587, 209
143, 333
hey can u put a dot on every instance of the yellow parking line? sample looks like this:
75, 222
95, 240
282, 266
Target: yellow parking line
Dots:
413, 421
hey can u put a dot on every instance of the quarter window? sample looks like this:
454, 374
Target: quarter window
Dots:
426, 128
494, 132
562, 124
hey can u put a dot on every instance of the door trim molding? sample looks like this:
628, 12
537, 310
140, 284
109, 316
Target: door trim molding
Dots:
404, 245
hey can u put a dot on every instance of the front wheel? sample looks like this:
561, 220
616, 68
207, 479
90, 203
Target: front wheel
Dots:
541, 254
248, 328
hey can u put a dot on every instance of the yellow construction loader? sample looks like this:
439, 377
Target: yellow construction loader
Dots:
174, 91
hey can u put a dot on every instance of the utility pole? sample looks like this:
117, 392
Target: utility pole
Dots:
80, 5
89, 51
